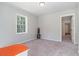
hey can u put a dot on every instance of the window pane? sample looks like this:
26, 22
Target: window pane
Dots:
18, 28
24, 28
21, 24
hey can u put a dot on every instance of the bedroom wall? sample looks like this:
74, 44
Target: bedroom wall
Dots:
50, 25
78, 26
8, 34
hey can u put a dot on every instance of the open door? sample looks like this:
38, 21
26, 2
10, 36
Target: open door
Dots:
68, 28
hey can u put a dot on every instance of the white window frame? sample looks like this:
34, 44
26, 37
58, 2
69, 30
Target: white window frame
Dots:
26, 24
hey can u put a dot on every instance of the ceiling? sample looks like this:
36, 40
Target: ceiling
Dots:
50, 7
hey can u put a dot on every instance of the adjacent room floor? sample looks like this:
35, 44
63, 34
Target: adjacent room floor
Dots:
41, 47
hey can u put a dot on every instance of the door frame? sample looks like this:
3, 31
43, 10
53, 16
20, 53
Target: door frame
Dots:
72, 26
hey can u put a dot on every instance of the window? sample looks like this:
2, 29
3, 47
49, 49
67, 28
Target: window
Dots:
21, 24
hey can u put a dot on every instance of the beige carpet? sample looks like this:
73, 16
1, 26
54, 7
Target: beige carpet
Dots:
42, 47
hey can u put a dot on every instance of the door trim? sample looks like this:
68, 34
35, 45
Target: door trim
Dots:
72, 26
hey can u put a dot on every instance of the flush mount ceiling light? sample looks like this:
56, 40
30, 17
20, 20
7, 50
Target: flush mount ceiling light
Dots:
42, 3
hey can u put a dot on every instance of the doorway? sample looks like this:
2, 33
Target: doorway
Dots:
66, 28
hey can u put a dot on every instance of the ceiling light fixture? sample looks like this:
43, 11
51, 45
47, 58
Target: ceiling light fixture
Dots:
42, 3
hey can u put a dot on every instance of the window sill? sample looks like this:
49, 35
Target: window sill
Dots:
22, 33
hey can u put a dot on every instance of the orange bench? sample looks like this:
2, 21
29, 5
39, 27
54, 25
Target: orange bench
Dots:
13, 50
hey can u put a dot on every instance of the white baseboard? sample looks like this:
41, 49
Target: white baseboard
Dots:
52, 39
23, 41
12, 43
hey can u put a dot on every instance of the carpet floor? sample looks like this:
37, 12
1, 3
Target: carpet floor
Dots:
41, 47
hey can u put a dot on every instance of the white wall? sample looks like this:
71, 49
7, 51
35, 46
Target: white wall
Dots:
8, 25
78, 26
50, 25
